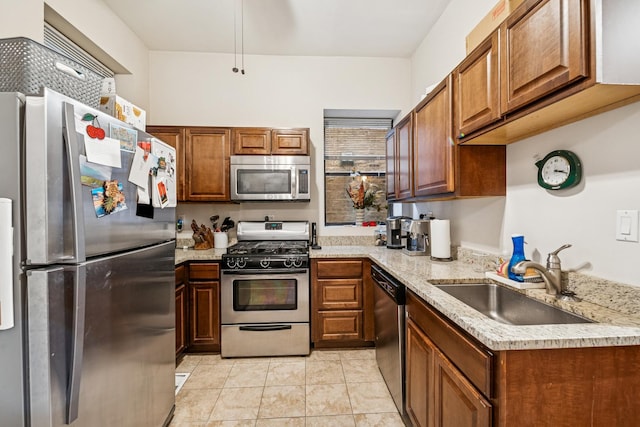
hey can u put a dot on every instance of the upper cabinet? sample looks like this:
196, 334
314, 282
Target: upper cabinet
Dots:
558, 61
391, 164
433, 171
476, 88
266, 141
207, 164
429, 165
404, 158
544, 48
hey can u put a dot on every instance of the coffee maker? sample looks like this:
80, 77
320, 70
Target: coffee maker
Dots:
417, 232
395, 235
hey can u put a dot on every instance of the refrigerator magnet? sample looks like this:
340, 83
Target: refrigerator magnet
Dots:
128, 137
161, 186
108, 199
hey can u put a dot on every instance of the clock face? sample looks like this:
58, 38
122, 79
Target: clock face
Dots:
556, 170
559, 169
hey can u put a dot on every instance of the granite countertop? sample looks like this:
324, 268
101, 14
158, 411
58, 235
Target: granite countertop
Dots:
419, 273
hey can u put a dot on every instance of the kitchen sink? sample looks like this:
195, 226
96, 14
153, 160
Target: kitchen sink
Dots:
509, 306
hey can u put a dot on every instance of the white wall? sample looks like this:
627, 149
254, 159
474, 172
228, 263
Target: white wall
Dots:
276, 91
22, 18
583, 216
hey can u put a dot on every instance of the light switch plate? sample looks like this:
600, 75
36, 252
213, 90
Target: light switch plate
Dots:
627, 225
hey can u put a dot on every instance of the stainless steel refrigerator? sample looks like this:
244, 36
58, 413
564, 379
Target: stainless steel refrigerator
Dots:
88, 297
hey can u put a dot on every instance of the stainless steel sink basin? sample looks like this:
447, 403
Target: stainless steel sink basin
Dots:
509, 306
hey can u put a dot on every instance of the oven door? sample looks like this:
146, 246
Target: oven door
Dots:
264, 296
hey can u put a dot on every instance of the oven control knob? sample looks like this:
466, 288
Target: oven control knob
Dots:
231, 262
297, 262
288, 262
241, 262
264, 263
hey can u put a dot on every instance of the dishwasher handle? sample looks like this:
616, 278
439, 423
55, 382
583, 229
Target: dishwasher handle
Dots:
389, 285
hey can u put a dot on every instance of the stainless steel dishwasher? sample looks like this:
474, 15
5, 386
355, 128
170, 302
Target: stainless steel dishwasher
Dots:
389, 296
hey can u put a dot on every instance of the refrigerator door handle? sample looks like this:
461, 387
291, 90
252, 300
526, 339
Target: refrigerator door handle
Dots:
73, 162
77, 343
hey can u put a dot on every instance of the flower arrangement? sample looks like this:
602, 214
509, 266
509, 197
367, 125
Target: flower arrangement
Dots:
365, 195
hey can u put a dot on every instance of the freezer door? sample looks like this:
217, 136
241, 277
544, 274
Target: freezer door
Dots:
61, 224
101, 340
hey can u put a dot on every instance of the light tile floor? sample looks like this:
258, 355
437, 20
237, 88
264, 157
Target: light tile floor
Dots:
324, 389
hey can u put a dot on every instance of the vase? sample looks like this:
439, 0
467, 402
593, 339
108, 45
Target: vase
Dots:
518, 255
359, 217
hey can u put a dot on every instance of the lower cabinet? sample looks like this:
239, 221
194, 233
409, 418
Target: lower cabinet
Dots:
181, 310
438, 393
341, 303
204, 307
453, 380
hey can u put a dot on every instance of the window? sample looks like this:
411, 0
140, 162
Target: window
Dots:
353, 147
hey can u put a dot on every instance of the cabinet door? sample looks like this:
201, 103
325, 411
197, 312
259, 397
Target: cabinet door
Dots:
457, 402
391, 165
433, 156
477, 88
207, 164
181, 318
339, 294
419, 376
404, 160
543, 48
204, 310
290, 142
251, 141
174, 136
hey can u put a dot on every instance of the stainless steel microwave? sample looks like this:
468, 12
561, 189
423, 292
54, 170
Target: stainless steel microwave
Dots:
270, 178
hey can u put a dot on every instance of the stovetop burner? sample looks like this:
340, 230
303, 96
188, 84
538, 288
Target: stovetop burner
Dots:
269, 248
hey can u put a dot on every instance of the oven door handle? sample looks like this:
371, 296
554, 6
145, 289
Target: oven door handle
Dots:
265, 328
266, 271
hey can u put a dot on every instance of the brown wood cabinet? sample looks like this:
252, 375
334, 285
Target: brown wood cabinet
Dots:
204, 307
559, 61
476, 88
544, 48
438, 392
404, 158
266, 141
202, 161
207, 164
175, 137
341, 302
181, 310
452, 379
390, 148
433, 157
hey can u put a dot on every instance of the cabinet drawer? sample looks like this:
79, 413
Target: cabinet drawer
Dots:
204, 271
339, 294
472, 360
342, 325
344, 269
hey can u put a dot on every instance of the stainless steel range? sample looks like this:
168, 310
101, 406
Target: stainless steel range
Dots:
265, 291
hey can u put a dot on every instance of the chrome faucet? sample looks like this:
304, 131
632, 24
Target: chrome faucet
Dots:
552, 275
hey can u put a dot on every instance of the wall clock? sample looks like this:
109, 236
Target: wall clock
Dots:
559, 169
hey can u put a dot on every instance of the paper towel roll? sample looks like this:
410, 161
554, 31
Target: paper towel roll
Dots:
440, 239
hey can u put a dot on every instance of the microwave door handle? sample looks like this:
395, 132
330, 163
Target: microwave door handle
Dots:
294, 184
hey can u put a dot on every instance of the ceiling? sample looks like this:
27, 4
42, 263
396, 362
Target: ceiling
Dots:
378, 28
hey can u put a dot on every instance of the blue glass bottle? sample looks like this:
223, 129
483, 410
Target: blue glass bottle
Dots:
518, 255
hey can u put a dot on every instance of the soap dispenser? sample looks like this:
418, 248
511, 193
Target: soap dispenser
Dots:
518, 255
